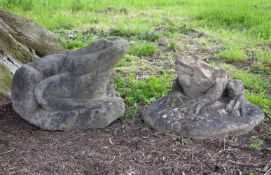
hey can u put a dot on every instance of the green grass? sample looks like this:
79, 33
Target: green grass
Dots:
256, 143
253, 16
261, 68
137, 34
255, 85
142, 48
133, 64
77, 41
172, 44
232, 55
264, 57
144, 90
259, 99
25, 5
141, 91
252, 82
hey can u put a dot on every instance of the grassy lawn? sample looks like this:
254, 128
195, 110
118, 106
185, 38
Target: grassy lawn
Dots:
156, 29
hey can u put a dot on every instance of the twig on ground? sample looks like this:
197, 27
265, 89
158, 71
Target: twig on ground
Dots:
7, 151
245, 165
112, 159
268, 172
110, 141
16, 172
267, 166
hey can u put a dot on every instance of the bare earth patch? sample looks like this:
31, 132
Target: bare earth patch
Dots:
126, 147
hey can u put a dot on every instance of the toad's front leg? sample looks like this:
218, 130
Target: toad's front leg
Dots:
235, 91
212, 95
175, 97
56, 93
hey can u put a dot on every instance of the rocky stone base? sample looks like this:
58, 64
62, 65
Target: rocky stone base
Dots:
95, 114
211, 122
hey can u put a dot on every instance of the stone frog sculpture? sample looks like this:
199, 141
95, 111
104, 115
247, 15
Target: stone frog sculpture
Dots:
72, 90
204, 102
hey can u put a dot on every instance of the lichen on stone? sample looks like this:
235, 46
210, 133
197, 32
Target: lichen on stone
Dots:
5, 80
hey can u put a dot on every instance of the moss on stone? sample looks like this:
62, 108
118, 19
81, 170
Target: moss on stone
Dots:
5, 80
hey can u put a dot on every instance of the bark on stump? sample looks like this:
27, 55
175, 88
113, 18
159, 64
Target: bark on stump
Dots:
22, 41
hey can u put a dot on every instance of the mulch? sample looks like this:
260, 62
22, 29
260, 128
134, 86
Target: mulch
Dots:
128, 147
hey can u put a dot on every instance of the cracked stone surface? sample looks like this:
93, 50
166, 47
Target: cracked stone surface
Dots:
72, 90
204, 102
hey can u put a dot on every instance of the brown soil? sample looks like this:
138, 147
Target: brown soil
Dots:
244, 64
126, 147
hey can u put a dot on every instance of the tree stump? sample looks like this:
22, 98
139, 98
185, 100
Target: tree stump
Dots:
22, 41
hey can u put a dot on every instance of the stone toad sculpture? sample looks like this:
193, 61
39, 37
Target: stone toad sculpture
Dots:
72, 90
204, 102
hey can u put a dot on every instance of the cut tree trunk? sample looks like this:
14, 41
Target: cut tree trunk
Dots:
22, 41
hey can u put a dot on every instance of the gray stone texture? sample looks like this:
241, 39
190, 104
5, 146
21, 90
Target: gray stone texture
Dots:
72, 90
204, 102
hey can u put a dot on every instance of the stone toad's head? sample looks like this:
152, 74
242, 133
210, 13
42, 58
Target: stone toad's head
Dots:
194, 75
108, 49
101, 55
114, 48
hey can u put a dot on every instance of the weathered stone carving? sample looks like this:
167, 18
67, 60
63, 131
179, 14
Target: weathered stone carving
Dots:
71, 90
204, 102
